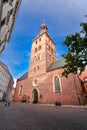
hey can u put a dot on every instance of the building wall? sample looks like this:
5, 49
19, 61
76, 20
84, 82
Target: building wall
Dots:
9, 10
12, 93
5, 79
70, 89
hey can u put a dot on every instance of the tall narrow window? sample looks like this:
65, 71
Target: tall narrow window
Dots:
3, 22
35, 50
39, 57
20, 90
8, 17
57, 84
39, 47
10, 2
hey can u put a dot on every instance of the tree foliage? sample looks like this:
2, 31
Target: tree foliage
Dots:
76, 57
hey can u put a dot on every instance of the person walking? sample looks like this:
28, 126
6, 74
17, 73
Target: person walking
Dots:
7, 102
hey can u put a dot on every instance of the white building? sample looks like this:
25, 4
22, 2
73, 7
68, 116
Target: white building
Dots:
6, 81
8, 14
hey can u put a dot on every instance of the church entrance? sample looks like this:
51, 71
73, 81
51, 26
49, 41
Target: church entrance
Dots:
34, 96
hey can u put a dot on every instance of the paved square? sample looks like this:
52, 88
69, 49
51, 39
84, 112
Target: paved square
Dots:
21, 116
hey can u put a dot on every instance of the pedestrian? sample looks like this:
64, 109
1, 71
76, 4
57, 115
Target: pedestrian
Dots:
6, 101
9, 103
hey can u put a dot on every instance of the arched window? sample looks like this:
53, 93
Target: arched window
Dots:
39, 57
38, 67
52, 51
20, 90
35, 50
34, 59
50, 57
36, 42
39, 47
40, 40
57, 86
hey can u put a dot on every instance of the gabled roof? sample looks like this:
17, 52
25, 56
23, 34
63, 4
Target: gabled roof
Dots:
56, 65
24, 76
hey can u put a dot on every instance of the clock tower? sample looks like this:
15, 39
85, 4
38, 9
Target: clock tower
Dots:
43, 53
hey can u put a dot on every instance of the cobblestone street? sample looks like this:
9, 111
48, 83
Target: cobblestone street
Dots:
37, 117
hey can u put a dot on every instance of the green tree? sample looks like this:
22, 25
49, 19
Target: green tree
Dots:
76, 57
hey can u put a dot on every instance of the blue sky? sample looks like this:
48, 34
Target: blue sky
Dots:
63, 17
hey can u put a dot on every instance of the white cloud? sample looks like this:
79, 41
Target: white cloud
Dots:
14, 83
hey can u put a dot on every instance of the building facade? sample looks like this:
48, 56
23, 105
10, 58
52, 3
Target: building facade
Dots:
83, 77
43, 83
8, 14
6, 82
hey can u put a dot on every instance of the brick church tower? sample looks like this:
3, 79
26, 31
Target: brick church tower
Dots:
43, 53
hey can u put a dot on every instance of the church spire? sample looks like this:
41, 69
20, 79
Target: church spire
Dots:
43, 28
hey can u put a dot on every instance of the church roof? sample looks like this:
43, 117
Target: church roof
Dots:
56, 65
24, 76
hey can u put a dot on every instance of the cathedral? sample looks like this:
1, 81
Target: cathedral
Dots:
43, 83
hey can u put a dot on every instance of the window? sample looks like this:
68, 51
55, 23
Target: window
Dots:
8, 17
50, 57
36, 42
52, 51
20, 90
38, 68
56, 83
3, 22
11, 11
35, 50
35, 82
5, 1
39, 47
10, 2
40, 40
39, 57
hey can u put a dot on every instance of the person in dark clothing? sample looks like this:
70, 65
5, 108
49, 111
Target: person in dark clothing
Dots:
7, 102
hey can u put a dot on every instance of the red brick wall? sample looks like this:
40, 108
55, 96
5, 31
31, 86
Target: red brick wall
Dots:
68, 95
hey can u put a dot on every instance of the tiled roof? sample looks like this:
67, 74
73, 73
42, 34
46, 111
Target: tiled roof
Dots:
23, 76
56, 65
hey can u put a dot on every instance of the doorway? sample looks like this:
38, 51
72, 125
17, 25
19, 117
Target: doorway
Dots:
34, 96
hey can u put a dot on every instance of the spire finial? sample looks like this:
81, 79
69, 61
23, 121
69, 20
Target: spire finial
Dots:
43, 27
